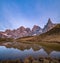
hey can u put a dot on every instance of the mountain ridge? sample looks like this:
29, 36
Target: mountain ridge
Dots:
23, 32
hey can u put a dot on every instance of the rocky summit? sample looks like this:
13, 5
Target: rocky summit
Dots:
48, 26
36, 30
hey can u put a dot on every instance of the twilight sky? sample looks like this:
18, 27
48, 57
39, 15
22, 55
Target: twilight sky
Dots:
16, 13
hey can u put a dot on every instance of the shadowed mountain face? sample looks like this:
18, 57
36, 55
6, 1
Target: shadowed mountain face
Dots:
48, 26
23, 32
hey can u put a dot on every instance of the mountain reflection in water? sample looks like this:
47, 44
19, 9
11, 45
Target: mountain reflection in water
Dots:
13, 53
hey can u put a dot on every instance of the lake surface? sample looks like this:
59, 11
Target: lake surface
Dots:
13, 53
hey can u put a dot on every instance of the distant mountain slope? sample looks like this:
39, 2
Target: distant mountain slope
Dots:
52, 35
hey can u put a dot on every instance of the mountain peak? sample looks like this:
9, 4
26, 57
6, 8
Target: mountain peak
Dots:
49, 21
35, 27
48, 26
36, 30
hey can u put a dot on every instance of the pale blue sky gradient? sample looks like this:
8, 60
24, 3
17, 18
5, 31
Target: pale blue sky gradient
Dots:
16, 13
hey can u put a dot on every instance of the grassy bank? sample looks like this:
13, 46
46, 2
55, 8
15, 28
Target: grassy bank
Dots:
6, 40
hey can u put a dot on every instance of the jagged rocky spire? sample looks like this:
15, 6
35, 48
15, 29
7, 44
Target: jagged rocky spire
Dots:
48, 26
49, 21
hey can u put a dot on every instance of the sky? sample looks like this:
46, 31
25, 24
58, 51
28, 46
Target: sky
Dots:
16, 13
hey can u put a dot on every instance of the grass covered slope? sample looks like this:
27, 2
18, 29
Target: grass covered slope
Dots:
6, 40
52, 35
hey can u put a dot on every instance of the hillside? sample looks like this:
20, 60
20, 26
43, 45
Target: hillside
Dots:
52, 35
